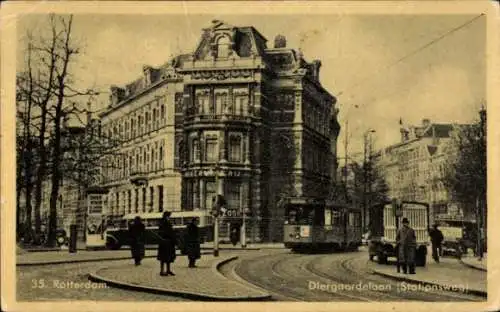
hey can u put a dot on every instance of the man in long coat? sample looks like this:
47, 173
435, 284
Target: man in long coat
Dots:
436, 241
407, 243
192, 243
137, 232
166, 247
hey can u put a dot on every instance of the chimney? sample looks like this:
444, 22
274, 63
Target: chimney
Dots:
279, 42
316, 66
147, 74
116, 94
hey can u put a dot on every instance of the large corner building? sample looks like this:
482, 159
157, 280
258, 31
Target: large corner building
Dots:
235, 117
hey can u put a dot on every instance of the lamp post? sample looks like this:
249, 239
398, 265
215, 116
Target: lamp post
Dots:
367, 173
220, 193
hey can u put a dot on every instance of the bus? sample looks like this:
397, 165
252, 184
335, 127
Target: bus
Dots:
321, 225
117, 235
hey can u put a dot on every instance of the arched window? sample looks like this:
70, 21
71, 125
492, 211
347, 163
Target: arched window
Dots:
195, 150
223, 47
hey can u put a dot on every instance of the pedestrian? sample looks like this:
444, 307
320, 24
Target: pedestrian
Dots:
166, 247
192, 243
407, 242
137, 233
436, 241
234, 236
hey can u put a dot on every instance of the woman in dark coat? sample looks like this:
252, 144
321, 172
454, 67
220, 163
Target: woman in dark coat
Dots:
137, 234
192, 242
166, 247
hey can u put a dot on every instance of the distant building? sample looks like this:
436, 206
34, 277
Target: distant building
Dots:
415, 168
254, 117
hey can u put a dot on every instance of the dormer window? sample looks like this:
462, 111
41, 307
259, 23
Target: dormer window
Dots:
223, 47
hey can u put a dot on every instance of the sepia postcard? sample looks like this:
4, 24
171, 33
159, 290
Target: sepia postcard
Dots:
301, 155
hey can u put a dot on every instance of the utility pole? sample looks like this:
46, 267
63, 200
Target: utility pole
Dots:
366, 169
345, 161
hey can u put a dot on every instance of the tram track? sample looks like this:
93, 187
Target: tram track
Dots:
367, 277
287, 277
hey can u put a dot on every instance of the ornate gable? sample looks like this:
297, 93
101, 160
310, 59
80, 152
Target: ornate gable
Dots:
224, 41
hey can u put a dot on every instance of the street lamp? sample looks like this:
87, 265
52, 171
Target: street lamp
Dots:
220, 194
367, 181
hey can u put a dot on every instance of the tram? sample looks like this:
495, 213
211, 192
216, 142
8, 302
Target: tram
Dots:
321, 225
118, 235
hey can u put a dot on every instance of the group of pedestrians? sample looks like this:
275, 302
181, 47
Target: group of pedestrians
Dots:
406, 242
167, 243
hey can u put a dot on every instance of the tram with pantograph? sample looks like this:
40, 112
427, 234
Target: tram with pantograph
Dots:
321, 225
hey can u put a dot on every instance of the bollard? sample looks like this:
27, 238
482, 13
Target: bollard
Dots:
72, 238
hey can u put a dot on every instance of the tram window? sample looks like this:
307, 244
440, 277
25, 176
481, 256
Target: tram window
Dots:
188, 220
176, 221
336, 218
328, 217
300, 215
153, 222
319, 216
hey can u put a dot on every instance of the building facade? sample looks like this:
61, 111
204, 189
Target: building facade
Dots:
415, 168
234, 118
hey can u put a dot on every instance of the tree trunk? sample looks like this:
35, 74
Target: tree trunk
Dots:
41, 174
28, 176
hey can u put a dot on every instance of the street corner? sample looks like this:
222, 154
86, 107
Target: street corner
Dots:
201, 283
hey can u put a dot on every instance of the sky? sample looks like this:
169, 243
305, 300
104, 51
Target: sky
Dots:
444, 82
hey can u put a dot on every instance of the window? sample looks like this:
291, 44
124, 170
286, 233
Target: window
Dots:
221, 102
160, 156
223, 47
155, 125
129, 197
203, 104
210, 192
136, 200
160, 198
195, 150
162, 111
151, 198
147, 122
211, 152
139, 125
241, 104
144, 200
132, 128
235, 148
153, 159
233, 195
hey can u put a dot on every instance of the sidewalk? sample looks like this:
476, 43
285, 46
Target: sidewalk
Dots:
448, 272
475, 263
63, 256
201, 283
253, 246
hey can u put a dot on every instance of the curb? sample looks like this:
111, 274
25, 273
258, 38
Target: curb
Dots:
177, 293
475, 292
27, 264
472, 266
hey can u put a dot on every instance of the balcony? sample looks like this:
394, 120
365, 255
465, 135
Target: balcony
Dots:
202, 118
139, 177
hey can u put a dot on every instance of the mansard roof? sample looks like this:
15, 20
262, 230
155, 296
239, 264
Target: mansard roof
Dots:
245, 40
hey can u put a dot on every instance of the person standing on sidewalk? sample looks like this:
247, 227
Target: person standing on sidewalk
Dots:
166, 247
192, 243
137, 232
436, 241
407, 242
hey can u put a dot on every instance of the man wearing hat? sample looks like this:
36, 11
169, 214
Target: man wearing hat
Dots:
407, 242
